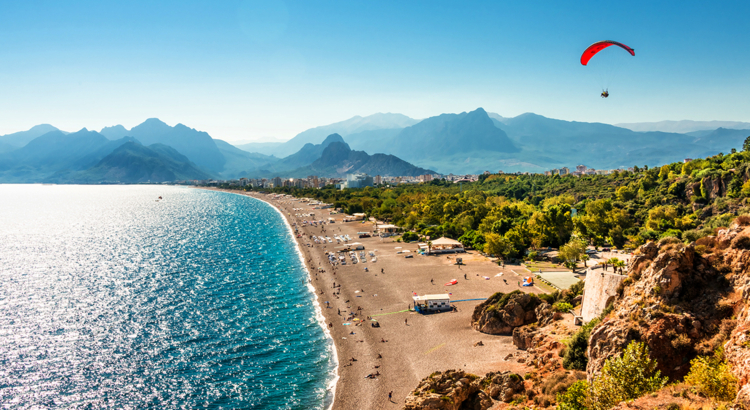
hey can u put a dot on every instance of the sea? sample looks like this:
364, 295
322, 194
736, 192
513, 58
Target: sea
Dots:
111, 297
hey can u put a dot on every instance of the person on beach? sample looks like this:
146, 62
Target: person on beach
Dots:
432, 281
390, 396
406, 322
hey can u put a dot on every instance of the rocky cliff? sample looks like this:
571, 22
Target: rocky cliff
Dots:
503, 312
674, 301
458, 390
731, 250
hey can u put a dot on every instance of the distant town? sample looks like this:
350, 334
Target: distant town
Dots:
360, 180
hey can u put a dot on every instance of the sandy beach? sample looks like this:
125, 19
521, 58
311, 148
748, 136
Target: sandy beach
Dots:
415, 345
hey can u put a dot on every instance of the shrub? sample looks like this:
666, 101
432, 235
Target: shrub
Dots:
742, 220
575, 355
712, 377
575, 398
562, 307
671, 233
695, 234
409, 236
625, 378
741, 242
681, 342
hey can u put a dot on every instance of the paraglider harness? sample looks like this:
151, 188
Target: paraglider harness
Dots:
605, 94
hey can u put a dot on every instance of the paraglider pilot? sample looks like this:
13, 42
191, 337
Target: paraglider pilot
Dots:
605, 94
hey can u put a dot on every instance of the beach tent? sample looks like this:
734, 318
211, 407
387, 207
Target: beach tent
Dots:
453, 282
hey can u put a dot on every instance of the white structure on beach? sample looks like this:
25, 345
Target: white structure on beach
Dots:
446, 245
432, 303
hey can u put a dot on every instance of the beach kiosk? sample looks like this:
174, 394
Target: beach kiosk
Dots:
432, 303
446, 245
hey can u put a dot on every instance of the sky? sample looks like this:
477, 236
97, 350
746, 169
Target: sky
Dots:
251, 70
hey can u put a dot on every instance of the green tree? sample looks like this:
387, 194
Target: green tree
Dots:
712, 377
603, 221
552, 226
626, 377
498, 245
746, 145
575, 397
575, 355
624, 193
571, 252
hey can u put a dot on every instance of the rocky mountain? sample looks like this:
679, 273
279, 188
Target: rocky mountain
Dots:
114, 132
353, 125
308, 154
135, 163
19, 139
198, 146
216, 156
55, 152
338, 159
434, 138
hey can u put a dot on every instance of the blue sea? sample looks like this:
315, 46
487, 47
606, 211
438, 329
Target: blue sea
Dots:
111, 298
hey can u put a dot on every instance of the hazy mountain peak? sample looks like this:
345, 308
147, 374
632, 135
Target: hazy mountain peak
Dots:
332, 138
114, 132
350, 126
43, 128
152, 125
684, 126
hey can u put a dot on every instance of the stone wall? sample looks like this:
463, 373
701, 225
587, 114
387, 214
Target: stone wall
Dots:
600, 289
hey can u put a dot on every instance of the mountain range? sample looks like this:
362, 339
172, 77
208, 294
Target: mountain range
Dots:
468, 142
684, 126
155, 152
351, 126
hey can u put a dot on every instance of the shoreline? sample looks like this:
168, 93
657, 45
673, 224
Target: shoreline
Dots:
331, 384
407, 346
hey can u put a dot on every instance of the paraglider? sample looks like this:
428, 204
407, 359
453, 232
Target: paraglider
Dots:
595, 48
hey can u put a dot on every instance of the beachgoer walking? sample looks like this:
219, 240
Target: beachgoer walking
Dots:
464, 276
406, 322
390, 396
432, 281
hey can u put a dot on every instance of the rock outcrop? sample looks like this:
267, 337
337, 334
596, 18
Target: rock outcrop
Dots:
458, 390
502, 313
670, 301
736, 258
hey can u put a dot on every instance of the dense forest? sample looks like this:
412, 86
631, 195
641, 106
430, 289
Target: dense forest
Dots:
505, 214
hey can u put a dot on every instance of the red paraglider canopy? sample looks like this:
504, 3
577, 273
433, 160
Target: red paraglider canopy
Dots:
599, 46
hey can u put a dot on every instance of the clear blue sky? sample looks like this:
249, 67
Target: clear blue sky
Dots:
249, 69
